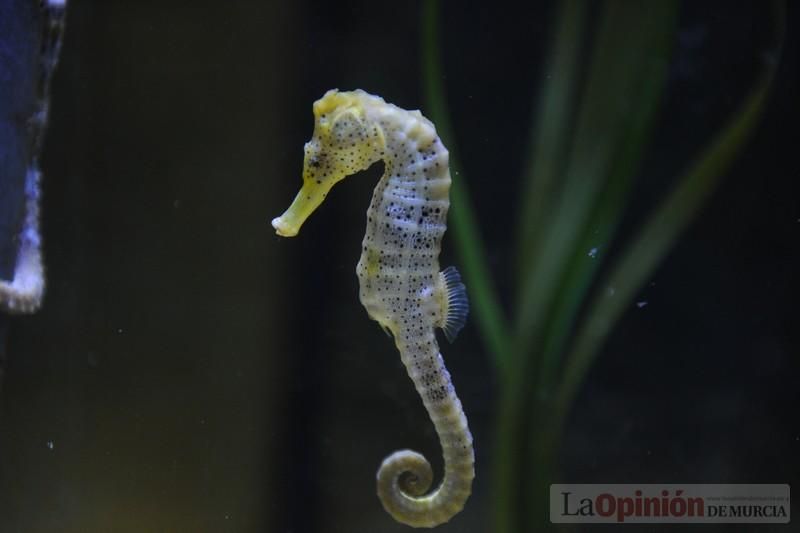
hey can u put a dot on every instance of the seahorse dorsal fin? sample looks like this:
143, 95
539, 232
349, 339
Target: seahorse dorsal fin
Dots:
456, 304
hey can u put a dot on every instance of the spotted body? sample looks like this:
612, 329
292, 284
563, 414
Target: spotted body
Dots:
401, 285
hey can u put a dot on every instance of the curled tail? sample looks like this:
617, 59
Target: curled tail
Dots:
405, 477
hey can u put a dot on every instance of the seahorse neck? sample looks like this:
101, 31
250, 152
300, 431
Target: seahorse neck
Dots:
413, 151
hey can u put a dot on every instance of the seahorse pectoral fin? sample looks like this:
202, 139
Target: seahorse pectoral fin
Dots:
306, 202
455, 303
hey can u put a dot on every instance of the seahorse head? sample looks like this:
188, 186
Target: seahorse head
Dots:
345, 141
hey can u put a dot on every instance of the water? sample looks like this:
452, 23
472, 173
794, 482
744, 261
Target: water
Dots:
191, 371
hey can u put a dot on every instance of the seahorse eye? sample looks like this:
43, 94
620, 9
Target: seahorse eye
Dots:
346, 129
314, 158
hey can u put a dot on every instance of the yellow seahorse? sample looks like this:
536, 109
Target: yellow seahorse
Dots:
400, 283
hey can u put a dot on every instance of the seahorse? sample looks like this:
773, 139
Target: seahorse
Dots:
401, 286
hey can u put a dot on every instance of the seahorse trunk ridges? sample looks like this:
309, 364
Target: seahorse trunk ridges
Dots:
401, 286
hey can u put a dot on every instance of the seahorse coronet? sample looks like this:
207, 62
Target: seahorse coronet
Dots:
401, 285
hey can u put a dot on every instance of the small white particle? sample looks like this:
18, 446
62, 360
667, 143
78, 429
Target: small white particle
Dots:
50, 445
641, 304
593, 252
610, 291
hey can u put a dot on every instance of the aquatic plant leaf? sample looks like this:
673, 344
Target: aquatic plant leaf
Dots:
622, 89
662, 229
622, 47
551, 135
489, 315
649, 73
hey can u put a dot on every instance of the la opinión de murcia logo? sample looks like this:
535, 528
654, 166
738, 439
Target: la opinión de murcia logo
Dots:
669, 503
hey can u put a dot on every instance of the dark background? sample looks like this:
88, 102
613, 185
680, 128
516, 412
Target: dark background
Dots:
191, 371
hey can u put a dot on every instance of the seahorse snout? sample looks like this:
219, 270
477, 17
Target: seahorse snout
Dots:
282, 228
311, 195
